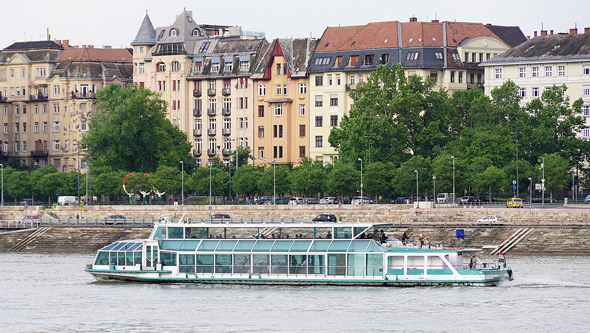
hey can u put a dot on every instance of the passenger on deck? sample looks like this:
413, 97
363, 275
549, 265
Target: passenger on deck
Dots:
473, 262
362, 236
427, 242
383, 237
419, 241
329, 235
405, 238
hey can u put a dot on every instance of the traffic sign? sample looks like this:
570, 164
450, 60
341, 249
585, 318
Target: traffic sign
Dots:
514, 187
542, 180
514, 182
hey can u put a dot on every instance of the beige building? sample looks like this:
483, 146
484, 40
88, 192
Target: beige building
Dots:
282, 101
47, 97
203, 74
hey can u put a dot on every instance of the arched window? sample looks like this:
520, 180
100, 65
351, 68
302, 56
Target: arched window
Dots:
161, 67
173, 32
196, 32
175, 66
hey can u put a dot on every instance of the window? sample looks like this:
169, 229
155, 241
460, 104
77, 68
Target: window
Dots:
301, 151
161, 67
175, 66
261, 90
284, 89
55, 144
5, 111
278, 69
561, 70
438, 55
460, 78
226, 123
354, 59
16, 127
586, 132
56, 89
261, 131
318, 141
384, 58
228, 66
338, 61
204, 47
215, 67
586, 90
302, 88
586, 71
279, 89
330, 82
319, 121
23, 73
473, 57
319, 100
227, 103
280, 151
198, 66
36, 128
244, 66
24, 146
260, 110
369, 58
412, 56
56, 126
83, 125
334, 100
498, 73
522, 72
302, 130
434, 76
352, 79
173, 32
472, 78
44, 127
212, 124
322, 61
212, 104
16, 109
16, 145
24, 127
586, 110
452, 77
278, 131
456, 57
5, 127
478, 77
261, 152
535, 92
522, 92
241, 123
301, 109
535, 71
334, 120
548, 70
319, 80
278, 109
338, 81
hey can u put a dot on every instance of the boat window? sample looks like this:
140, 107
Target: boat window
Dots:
133, 247
121, 258
129, 259
320, 246
297, 264
108, 247
113, 258
342, 233
168, 258
415, 262
175, 233
120, 246
160, 233
336, 264
102, 258
356, 264
241, 263
137, 258
186, 259
375, 264
358, 230
278, 264
300, 246
339, 246
263, 246
281, 246
261, 263
139, 247
226, 245
245, 245
189, 245
316, 264
208, 245
204, 263
223, 263
358, 246
170, 245
190, 232
374, 247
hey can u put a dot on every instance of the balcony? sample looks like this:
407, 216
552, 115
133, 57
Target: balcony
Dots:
197, 152
211, 152
197, 112
211, 112
211, 92
226, 131
197, 93
197, 132
4, 154
38, 97
226, 152
226, 111
83, 95
39, 153
3, 99
350, 86
211, 132
226, 91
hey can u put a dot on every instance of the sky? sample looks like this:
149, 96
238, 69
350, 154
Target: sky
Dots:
116, 22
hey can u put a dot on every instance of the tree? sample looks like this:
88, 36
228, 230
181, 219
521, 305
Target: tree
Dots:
492, 178
377, 179
404, 179
274, 179
245, 181
343, 179
308, 178
17, 184
556, 173
130, 132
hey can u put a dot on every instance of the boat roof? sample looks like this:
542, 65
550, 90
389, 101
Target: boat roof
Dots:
263, 223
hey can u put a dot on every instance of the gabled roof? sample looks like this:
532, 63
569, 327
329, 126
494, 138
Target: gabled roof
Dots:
146, 34
92, 54
459, 31
421, 34
513, 36
374, 35
42, 44
297, 52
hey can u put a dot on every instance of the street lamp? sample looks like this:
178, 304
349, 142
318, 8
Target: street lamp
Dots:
516, 133
210, 190
360, 159
274, 182
543, 183
453, 158
369, 137
530, 192
182, 174
2, 165
417, 198
434, 184
78, 149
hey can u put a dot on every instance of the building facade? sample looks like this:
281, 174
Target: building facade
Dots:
203, 74
47, 97
544, 61
281, 104
447, 52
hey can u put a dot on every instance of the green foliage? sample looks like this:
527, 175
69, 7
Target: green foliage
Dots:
245, 180
404, 179
344, 179
377, 179
308, 178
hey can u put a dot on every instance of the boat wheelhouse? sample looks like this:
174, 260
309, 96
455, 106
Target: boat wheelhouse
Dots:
292, 253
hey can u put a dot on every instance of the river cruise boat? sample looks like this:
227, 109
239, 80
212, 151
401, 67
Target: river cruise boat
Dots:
292, 252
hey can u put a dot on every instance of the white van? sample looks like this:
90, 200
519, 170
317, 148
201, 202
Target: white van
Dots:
296, 201
445, 198
65, 200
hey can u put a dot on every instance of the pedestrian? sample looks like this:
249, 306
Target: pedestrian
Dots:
77, 216
473, 262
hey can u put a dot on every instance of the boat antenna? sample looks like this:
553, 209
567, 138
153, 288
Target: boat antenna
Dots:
182, 217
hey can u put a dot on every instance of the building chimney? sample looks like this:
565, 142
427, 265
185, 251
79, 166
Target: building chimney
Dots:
543, 32
434, 21
587, 30
413, 19
574, 31
65, 43
535, 35
551, 32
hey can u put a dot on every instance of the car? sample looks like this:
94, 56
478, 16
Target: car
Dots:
491, 219
310, 201
514, 203
30, 219
399, 200
361, 201
327, 200
30, 202
296, 201
325, 218
115, 219
486, 198
220, 216
469, 199
587, 199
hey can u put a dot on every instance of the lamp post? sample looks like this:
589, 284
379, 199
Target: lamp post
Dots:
531, 192
360, 159
453, 158
434, 184
516, 133
210, 190
274, 182
182, 188
417, 198
573, 187
2, 165
369, 137
543, 183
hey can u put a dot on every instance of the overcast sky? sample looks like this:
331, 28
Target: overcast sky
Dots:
115, 22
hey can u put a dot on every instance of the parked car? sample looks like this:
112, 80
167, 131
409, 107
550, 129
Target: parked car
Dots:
491, 219
486, 198
587, 199
514, 203
310, 201
469, 199
220, 216
327, 200
30, 219
115, 219
296, 201
30, 202
399, 200
325, 218
361, 201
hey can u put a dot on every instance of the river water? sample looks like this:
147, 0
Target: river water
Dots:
52, 293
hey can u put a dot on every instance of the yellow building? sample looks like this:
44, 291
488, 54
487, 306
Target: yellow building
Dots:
281, 104
47, 97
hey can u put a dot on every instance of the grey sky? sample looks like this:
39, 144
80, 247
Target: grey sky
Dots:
115, 23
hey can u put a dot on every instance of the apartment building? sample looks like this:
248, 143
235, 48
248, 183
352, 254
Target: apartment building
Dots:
447, 52
47, 97
281, 104
203, 74
544, 61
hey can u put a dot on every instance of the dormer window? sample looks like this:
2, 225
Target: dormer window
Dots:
412, 56
195, 32
189, 19
438, 55
369, 58
173, 32
161, 34
204, 47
